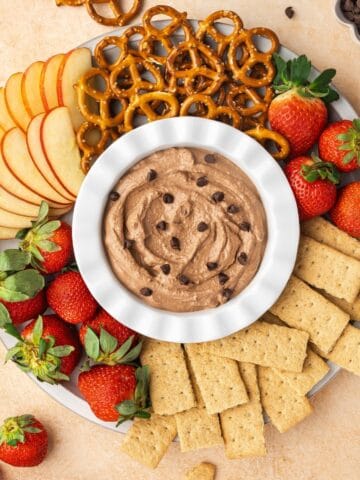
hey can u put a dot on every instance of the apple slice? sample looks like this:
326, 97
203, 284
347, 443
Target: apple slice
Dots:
11, 220
6, 120
13, 204
19, 162
30, 89
74, 65
15, 102
62, 152
39, 158
48, 81
8, 233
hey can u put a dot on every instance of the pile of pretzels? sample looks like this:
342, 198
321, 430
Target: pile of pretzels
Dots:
167, 69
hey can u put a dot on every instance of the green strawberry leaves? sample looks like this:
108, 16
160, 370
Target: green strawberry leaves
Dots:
21, 285
38, 237
350, 142
13, 260
139, 406
105, 348
320, 170
39, 355
294, 74
4, 316
13, 430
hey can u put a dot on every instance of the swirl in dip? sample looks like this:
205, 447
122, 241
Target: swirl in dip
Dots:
185, 230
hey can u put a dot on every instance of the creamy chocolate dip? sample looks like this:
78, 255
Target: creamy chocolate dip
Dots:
185, 230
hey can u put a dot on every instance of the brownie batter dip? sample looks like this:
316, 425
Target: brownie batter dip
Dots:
185, 230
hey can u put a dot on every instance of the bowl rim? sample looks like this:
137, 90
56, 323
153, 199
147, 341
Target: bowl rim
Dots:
282, 222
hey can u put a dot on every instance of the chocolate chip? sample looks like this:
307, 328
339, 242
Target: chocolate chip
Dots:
161, 225
242, 258
233, 208
165, 268
218, 196
202, 227
289, 12
151, 175
146, 292
183, 279
202, 181
129, 243
347, 5
168, 198
350, 16
227, 292
209, 158
175, 243
114, 196
223, 278
245, 226
211, 266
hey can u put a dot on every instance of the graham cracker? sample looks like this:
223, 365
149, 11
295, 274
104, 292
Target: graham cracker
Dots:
218, 378
148, 439
324, 267
346, 352
325, 232
285, 406
170, 387
314, 370
198, 429
263, 344
353, 309
203, 471
302, 307
243, 426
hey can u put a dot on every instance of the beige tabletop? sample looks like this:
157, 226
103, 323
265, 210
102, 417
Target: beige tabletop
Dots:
326, 446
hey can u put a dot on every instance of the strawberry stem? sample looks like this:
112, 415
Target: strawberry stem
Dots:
13, 429
320, 170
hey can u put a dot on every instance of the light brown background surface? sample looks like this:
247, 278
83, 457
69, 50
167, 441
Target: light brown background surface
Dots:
326, 446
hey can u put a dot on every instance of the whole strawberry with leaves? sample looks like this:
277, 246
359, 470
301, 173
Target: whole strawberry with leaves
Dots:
47, 347
115, 390
103, 320
48, 242
313, 183
22, 291
23, 441
299, 110
70, 298
339, 144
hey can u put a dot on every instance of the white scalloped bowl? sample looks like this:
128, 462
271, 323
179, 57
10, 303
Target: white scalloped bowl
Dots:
282, 224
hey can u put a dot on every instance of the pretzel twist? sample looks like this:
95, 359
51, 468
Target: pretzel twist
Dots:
119, 18
92, 141
143, 104
264, 136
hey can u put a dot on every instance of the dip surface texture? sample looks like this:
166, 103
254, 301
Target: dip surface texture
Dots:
185, 230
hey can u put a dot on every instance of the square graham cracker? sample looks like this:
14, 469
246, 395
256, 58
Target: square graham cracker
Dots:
314, 370
285, 406
324, 267
148, 439
325, 232
170, 387
219, 379
243, 426
303, 308
346, 352
203, 471
264, 344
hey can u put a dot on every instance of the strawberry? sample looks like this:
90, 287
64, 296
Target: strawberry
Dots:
339, 143
346, 213
48, 242
23, 441
25, 310
313, 183
22, 293
116, 393
70, 298
299, 112
112, 326
48, 347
